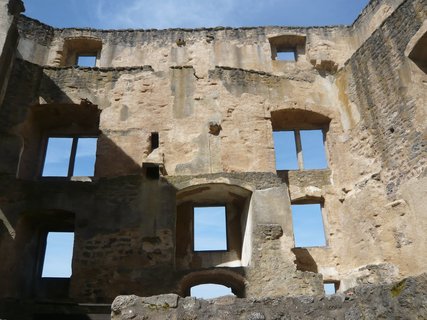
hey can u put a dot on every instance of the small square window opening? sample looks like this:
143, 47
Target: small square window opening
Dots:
210, 229
330, 287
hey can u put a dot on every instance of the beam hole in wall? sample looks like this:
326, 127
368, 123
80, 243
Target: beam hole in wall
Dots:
210, 291
154, 140
58, 255
152, 171
308, 225
210, 228
70, 156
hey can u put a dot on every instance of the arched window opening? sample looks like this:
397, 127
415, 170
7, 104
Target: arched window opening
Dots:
212, 283
299, 139
210, 291
211, 226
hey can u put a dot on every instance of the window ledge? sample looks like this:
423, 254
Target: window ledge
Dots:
74, 179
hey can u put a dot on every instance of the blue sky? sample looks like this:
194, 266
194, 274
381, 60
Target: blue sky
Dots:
57, 259
113, 14
58, 154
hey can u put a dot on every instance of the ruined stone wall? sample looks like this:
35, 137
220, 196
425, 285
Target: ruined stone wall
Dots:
247, 48
214, 97
405, 300
10, 10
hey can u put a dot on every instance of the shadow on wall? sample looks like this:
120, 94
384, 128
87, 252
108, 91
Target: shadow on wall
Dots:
26, 125
304, 261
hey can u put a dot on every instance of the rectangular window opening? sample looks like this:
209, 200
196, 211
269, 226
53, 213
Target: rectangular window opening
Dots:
313, 149
58, 255
57, 157
308, 225
210, 228
299, 150
86, 61
70, 156
285, 150
286, 55
331, 287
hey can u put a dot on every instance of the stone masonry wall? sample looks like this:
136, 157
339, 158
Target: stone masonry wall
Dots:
403, 300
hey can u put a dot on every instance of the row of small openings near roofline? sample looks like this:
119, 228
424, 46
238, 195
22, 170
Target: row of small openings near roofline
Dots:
85, 52
75, 156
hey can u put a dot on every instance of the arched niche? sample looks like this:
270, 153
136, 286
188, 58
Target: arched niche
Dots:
235, 200
290, 119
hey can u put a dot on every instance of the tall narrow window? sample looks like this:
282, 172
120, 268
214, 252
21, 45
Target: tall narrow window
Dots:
308, 225
57, 158
210, 229
58, 255
285, 149
299, 149
69, 156
313, 150
210, 291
